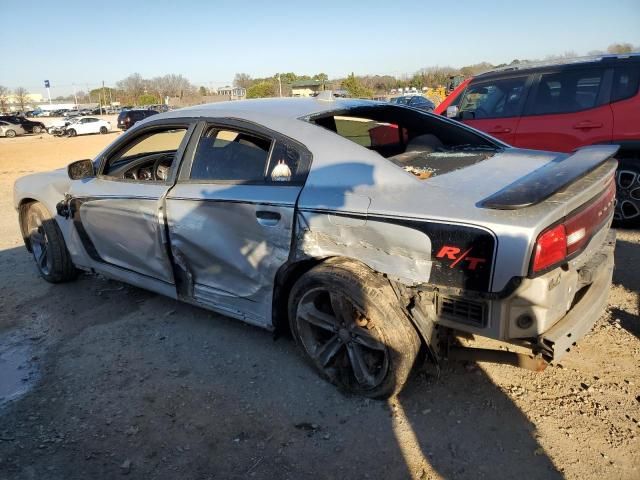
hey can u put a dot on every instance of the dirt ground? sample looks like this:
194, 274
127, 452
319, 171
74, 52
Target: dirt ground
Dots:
99, 380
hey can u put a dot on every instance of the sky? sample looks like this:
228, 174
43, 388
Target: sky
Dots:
79, 44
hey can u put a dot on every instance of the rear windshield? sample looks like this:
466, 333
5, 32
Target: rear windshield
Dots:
422, 144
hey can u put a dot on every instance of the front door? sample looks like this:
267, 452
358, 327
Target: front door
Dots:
118, 214
494, 106
231, 218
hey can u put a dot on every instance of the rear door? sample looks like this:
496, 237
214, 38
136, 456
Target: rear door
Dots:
231, 216
568, 108
494, 105
625, 104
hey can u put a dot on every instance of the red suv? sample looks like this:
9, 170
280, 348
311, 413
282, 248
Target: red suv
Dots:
561, 107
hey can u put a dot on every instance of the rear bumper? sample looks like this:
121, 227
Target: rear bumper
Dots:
561, 337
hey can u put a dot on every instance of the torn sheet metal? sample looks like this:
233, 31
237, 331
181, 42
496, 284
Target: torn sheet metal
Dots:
407, 258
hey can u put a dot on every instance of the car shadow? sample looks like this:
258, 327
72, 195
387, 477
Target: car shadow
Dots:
626, 253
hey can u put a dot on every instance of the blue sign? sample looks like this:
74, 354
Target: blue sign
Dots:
46, 84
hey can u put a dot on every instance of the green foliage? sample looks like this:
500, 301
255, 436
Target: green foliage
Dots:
102, 93
261, 90
356, 88
620, 48
147, 99
203, 91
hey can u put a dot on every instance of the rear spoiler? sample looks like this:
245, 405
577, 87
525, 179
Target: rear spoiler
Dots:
540, 184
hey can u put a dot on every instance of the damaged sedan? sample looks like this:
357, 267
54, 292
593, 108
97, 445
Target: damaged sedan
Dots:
376, 233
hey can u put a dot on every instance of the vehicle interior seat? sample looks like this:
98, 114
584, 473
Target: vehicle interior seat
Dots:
424, 142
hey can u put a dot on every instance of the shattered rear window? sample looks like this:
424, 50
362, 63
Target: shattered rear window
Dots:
422, 144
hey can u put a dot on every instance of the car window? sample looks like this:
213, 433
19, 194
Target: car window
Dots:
566, 92
146, 146
625, 82
228, 155
493, 99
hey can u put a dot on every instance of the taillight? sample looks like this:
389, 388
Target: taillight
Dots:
562, 241
585, 222
551, 248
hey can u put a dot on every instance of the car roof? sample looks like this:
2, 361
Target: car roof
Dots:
565, 63
283, 108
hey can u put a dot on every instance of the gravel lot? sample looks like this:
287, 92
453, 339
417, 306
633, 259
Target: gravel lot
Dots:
100, 380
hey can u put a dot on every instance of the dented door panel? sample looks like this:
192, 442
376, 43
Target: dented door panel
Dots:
230, 241
126, 233
120, 223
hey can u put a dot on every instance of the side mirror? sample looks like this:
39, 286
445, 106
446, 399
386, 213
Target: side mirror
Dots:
81, 169
452, 111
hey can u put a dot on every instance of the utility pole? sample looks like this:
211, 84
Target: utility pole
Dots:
104, 99
75, 97
279, 85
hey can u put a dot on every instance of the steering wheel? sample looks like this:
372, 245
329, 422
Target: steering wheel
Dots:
156, 165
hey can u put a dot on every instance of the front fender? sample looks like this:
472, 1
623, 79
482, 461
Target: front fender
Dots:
47, 188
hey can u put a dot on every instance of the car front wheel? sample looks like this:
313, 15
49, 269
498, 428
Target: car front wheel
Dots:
103, 130
10, 133
627, 209
47, 245
71, 132
349, 325
37, 129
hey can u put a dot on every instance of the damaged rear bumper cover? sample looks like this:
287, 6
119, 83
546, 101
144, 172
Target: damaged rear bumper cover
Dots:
556, 342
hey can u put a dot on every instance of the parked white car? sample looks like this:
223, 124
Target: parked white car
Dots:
85, 125
10, 129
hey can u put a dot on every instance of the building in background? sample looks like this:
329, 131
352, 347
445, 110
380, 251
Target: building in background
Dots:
306, 88
234, 93
31, 103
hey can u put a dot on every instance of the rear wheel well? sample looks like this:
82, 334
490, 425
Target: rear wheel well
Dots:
286, 277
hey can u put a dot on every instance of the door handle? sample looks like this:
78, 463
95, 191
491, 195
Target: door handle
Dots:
587, 124
267, 218
500, 129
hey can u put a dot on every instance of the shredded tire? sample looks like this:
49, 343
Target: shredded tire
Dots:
374, 297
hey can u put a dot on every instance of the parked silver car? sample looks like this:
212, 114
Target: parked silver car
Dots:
10, 129
372, 231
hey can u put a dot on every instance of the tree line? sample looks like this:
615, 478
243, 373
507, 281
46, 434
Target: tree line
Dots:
137, 90
367, 86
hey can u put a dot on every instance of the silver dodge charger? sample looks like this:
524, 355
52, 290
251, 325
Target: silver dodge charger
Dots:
378, 234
